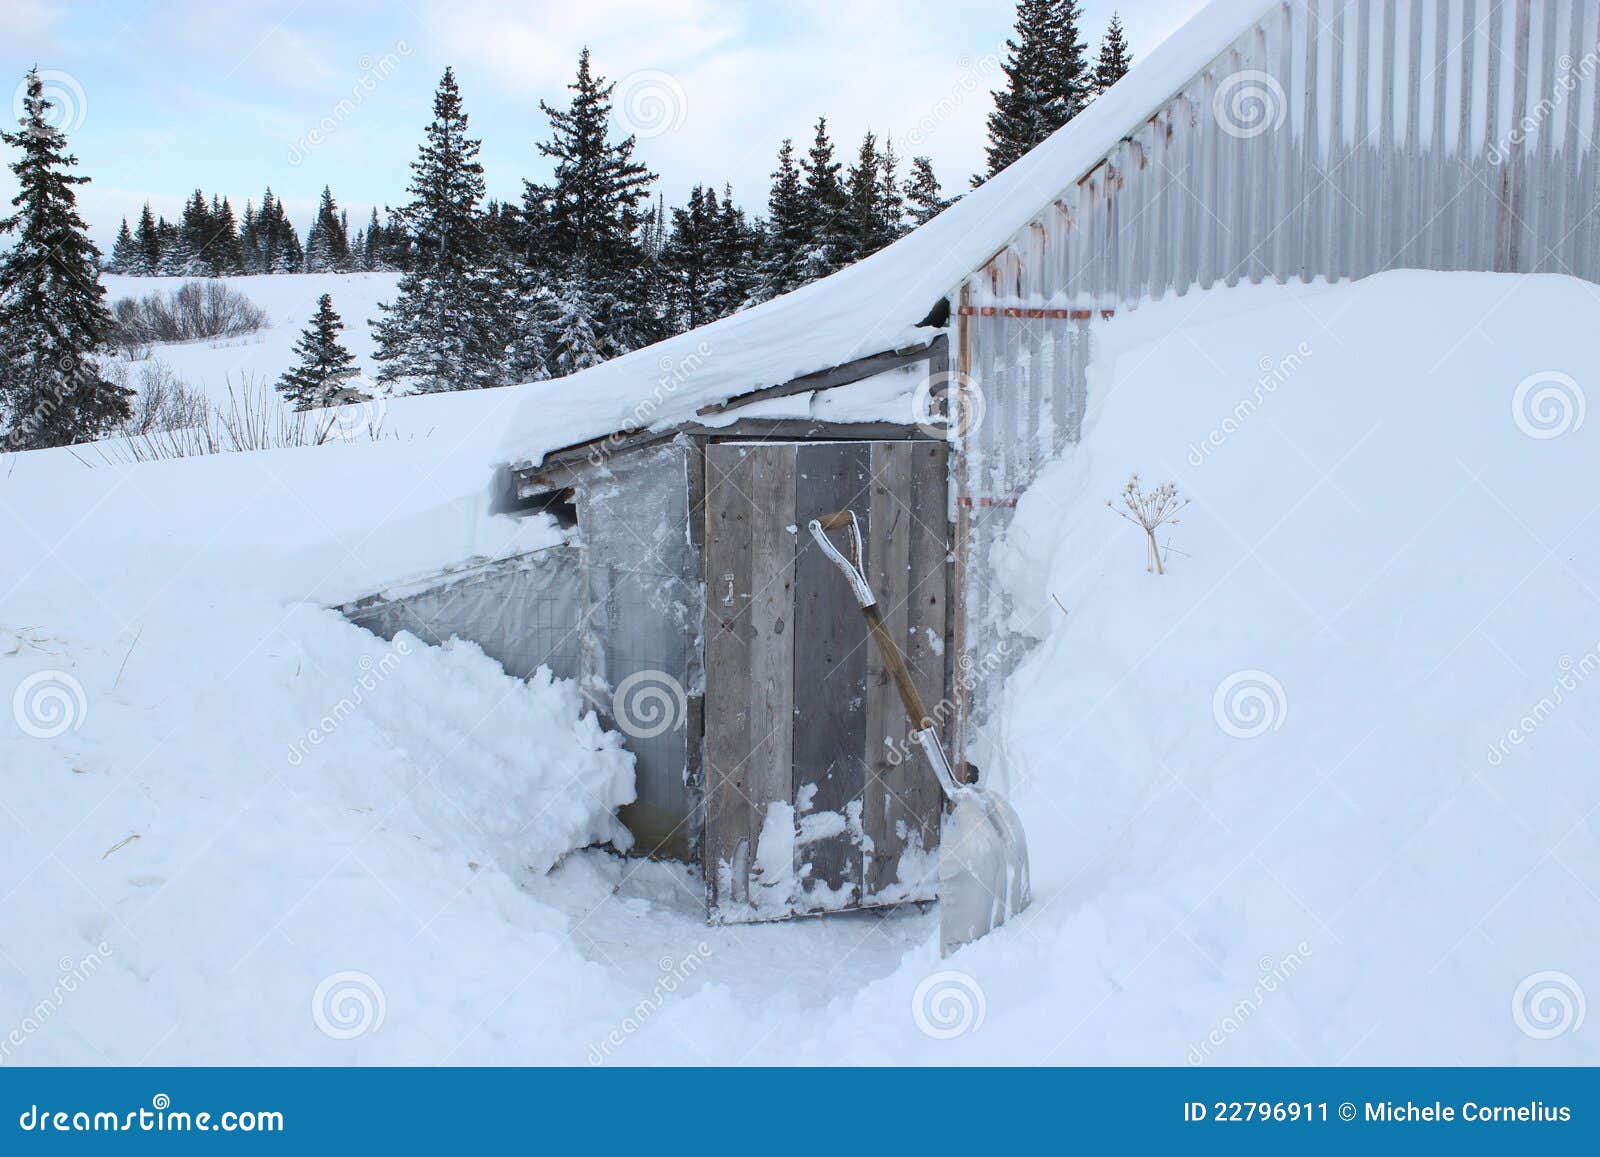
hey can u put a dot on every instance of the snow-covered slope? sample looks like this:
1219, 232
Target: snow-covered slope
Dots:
1378, 555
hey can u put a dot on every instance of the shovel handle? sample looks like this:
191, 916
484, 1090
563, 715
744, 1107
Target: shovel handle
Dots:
893, 659
896, 663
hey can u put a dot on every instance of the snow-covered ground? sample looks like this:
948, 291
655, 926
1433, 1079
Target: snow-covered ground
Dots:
1275, 811
290, 302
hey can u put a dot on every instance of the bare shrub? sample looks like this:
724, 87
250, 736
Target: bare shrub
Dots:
254, 418
1150, 512
161, 401
195, 310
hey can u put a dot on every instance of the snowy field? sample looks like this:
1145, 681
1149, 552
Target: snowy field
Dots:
1274, 804
290, 302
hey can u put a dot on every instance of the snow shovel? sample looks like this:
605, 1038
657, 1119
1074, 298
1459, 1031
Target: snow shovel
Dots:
983, 854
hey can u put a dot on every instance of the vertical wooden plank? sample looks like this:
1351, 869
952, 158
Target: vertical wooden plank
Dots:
886, 751
909, 802
729, 816
770, 780
830, 683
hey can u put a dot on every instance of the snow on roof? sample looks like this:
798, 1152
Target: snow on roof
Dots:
876, 304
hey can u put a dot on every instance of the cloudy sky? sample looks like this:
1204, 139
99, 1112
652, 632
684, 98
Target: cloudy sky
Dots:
161, 97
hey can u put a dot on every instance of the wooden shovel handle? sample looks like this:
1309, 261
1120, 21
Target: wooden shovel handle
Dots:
835, 521
896, 662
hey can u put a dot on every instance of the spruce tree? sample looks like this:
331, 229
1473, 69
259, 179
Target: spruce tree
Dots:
148, 242
194, 235
324, 366
224, 252
891, 197
924, 201
124, 251
373, 257
1115, 59
327, 247
592, 214
829, 245
1048, 81
735, 253
249, 241
176, 255
787, 235
447, 328
53, 319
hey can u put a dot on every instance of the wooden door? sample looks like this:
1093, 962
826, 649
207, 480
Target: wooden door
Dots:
816, 801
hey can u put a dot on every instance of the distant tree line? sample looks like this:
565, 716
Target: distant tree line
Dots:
209, 240
583, 267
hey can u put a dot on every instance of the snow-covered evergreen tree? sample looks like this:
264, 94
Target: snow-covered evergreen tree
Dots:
787, 235
690, 259
873, 202
328, 243
924, 201
891, 197
223, 253
194, 237
1048, 81
736, 253
829, 246
448, 327
324, 366
124, 251
53, 319
1115, 59
147, 239
591, 217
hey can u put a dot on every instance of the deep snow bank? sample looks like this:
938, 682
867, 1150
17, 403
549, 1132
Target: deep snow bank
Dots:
215, 794
1354, 727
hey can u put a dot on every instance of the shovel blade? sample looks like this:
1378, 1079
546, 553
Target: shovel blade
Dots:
983, 868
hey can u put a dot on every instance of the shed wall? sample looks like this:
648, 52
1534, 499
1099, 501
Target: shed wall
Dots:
641, 637
524, 612
1335, 139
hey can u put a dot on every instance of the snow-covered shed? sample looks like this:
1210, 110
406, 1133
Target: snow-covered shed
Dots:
927, 385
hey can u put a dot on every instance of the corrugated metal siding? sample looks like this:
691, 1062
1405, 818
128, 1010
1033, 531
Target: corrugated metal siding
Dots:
1336, 138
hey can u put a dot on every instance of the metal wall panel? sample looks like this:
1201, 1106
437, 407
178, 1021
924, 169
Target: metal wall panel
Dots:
1334, 139
643, 599
525, 612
